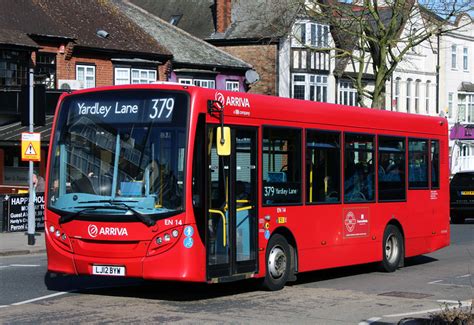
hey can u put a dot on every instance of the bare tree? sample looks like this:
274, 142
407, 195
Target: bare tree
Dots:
374, 36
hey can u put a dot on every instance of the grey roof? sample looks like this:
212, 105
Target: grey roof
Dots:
12, 132
251, 19
16, 37
467, 87
260, 19
78, 21
197, 15
186, 48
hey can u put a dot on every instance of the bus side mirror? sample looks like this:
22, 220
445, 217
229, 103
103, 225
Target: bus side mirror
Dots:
223, 141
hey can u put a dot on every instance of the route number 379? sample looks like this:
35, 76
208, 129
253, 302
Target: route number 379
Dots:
162, 108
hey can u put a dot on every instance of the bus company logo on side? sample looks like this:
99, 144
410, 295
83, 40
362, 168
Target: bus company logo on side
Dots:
93, 231
350, 222
233, 100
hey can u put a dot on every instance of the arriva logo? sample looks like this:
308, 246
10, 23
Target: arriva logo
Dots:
233, 100
93, 231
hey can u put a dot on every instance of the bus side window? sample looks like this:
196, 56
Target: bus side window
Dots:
417, 163
359, 178
434, 164
281, 165
323, 167
391, 168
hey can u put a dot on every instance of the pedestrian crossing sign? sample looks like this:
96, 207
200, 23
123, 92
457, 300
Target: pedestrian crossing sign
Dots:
30, 146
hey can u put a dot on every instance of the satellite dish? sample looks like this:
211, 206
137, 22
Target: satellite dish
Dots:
251, 76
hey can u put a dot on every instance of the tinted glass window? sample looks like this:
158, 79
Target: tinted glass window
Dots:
359, 180
391, 170
418, 163
281, 166
434, 164
463, 179
323, 166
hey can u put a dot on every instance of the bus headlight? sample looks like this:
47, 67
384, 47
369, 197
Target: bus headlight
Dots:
51, 229
164, 240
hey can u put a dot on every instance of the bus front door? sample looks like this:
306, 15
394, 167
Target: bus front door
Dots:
232, 206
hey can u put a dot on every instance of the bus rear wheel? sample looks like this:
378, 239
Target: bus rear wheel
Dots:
392, 249
278, 263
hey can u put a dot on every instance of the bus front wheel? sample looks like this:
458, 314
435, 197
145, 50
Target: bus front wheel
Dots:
392, 248
278, 263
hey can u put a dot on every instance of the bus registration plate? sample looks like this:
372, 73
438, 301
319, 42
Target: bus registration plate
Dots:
108, 270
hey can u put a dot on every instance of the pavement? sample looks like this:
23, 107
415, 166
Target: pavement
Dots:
16, 243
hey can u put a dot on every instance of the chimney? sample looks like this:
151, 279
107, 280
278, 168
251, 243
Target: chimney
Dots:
223, 13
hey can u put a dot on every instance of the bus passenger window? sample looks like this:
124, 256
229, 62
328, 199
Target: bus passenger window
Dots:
417, 164
359, 180
434, 164
391, 169
323, 167
281, 166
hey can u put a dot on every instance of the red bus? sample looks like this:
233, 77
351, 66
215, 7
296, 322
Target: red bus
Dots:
177, 182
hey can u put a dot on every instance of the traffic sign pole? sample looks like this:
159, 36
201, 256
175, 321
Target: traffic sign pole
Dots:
31, 200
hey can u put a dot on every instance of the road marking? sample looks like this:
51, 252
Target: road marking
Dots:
41, 298
466, 303
24, 265
437, 281
370, 321
463, 276
448, 301
3, 306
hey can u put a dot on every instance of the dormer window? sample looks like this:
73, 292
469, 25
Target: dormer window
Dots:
174, 20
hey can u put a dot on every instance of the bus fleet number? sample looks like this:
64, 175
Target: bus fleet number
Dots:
162, 108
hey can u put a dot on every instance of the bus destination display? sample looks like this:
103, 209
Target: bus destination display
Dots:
139, 110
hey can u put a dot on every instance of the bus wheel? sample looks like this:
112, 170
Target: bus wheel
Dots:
278, 263
392, 248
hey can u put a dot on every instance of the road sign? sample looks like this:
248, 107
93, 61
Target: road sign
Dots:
30, 146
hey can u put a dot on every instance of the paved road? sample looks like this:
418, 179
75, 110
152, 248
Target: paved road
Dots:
343, 296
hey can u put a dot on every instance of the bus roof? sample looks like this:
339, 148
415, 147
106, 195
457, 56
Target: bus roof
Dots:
272, 109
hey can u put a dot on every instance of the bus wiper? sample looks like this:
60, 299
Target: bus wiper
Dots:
140, 216
114, 206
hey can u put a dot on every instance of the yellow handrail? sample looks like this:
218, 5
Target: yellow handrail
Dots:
244, 208
224, 236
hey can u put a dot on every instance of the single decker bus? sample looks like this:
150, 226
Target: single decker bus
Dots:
176, 182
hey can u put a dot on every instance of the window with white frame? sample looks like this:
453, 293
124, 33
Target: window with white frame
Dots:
318, 88
232, 85
122, 76
86, 74
185, 81
310, 87
311, 34
450, 104
125, 76
299, 86
409, 81
465, 60
453, 57
397, 93
205, 83
417, 96
427, 96
347, 93
143, 76
466, 108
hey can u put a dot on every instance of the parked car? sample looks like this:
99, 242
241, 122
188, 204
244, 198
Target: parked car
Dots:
462, 196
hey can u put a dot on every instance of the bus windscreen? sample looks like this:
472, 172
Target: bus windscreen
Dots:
119, 153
